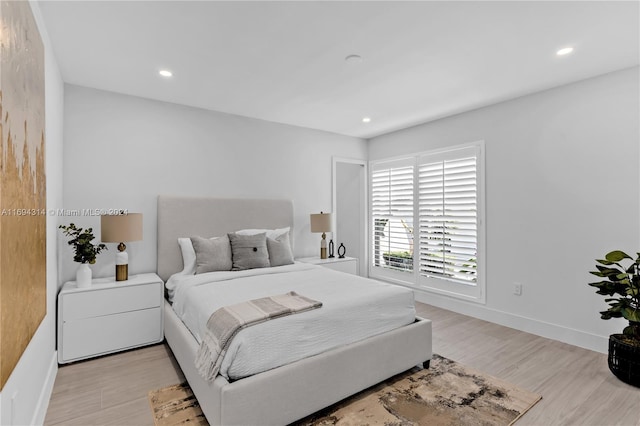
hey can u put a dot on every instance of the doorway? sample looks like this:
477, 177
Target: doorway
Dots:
349, 209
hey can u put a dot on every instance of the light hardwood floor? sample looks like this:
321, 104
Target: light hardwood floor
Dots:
576, 385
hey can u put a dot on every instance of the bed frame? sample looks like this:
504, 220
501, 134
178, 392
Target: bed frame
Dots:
291, 392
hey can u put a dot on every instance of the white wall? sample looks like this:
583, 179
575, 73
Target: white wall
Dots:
122, 152
562, 185
25, 396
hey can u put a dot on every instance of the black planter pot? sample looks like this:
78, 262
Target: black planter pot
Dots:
624, 360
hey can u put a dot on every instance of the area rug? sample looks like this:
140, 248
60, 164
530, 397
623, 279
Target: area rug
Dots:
176, 405
447, 393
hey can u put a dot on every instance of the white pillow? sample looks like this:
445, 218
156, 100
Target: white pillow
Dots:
280, 250
271, 233
188, 256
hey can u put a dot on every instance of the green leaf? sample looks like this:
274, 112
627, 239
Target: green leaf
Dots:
605, 315
604, 288
604, 262
600, 283
608, 271
631, 314
617, 256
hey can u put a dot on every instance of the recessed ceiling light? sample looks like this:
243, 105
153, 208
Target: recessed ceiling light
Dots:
353, 59
564, 51
366, 119
165, 73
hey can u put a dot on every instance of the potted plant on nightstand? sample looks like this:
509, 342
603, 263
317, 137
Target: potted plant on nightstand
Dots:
623, 282
84, 251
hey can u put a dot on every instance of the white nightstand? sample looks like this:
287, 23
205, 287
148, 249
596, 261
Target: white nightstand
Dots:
109, 316
345, 264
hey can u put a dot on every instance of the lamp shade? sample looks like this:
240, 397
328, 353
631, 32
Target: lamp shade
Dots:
321, 222
121, 228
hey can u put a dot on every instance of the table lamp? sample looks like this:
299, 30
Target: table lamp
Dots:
121, 228
321, 223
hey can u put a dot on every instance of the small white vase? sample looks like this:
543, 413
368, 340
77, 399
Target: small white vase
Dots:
83, 276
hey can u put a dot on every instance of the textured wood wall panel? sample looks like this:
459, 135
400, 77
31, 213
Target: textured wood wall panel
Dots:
22, 183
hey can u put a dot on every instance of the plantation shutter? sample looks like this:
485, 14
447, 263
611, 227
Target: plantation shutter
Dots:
392, 214
448, 215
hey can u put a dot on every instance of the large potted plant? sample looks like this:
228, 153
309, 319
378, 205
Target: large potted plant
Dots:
84, 251
621, 283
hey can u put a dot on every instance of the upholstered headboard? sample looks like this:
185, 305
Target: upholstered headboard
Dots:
180, 216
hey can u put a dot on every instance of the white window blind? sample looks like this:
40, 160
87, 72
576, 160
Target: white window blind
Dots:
427, 221
448, 211
392, 210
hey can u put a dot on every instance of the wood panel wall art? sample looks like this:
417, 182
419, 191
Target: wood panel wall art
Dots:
22, 183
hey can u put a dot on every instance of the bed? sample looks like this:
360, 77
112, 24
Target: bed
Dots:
288, 392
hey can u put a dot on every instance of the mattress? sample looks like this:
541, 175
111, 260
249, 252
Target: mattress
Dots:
354, 308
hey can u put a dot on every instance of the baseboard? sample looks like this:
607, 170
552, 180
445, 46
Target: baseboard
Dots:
529, 325
45, 395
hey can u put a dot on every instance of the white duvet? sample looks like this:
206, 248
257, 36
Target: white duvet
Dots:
354, 308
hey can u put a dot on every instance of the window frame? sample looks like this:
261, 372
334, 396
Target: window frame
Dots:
439, 285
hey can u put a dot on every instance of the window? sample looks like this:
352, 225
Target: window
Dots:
392, 214
427, 221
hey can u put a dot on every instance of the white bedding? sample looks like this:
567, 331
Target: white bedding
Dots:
354, 308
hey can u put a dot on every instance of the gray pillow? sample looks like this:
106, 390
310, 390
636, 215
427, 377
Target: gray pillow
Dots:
249, 251
280, 250
212, 254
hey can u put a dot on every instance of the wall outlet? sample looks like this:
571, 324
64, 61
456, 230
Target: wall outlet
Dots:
517, 289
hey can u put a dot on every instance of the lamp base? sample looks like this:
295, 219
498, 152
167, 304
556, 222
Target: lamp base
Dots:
122, 272
323, 246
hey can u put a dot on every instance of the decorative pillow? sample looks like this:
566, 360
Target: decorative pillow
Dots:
249, 251
188, 256
271, 233
280, 250
213, 254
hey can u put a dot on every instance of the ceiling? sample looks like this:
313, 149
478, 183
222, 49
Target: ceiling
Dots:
285, 61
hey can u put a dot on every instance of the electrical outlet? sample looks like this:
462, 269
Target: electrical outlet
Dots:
517, 289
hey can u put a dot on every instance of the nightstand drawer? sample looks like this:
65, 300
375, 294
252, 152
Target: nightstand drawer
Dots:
104, 334
111, 300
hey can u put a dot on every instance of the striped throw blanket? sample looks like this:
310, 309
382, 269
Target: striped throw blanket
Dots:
227, 321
